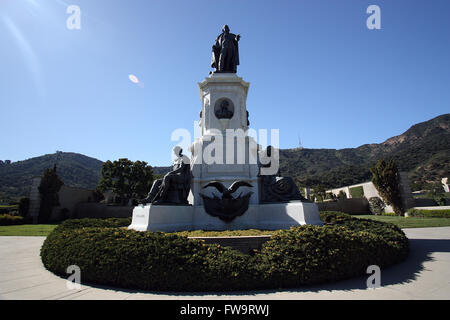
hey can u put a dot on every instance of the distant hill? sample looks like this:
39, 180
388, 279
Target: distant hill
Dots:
76, 170
161, 170
423, 151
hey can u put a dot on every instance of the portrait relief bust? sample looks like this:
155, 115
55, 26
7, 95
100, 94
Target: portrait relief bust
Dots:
224, 109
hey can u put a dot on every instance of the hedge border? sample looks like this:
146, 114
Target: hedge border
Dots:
444, 213
343, 248
10, 220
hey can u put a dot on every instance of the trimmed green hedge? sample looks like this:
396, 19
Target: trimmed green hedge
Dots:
429, 213
9, 220
110, 255
93, 223
8, 209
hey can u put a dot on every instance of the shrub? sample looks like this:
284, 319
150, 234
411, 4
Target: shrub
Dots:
436, 192
143, 260
310, 255
440, 200
9, 220
376, 205
429, 213
8, 209
330, 196
110, 255
342, 195
93, 223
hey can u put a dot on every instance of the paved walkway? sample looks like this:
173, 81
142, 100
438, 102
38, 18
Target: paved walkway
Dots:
425, 275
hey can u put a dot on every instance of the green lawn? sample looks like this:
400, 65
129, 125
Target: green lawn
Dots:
27, 230
411, 222
402, 222
427, 196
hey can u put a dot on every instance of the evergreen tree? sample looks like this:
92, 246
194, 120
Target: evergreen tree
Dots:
48, 189
386, 178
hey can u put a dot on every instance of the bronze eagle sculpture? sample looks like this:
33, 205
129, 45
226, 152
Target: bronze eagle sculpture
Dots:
227, 208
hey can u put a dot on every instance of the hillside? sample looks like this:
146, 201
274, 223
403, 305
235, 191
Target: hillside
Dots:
76, 170
423, 151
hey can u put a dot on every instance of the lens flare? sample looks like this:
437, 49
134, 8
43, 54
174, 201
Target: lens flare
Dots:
133, 78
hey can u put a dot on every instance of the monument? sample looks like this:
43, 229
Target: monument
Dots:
230, 182
225, 55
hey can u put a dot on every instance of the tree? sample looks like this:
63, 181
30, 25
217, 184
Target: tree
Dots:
49, 188
319, 192
126, 178
386, 178
97, 195
436, 192
342, 195
330, 196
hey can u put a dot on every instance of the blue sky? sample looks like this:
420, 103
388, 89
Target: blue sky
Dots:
315, 71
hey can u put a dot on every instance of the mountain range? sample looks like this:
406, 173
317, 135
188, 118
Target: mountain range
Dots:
423, 151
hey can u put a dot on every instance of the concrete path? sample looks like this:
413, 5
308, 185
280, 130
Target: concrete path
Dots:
425, 275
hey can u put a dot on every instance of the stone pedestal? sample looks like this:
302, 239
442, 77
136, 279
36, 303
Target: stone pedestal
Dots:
224, 152
161, 218
272, 216
219, 87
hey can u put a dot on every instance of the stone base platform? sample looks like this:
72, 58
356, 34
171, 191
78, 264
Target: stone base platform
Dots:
271, 216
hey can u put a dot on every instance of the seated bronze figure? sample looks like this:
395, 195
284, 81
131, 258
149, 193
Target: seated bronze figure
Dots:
173, 188
274, 188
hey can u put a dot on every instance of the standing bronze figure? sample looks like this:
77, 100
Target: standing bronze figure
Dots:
225, 55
